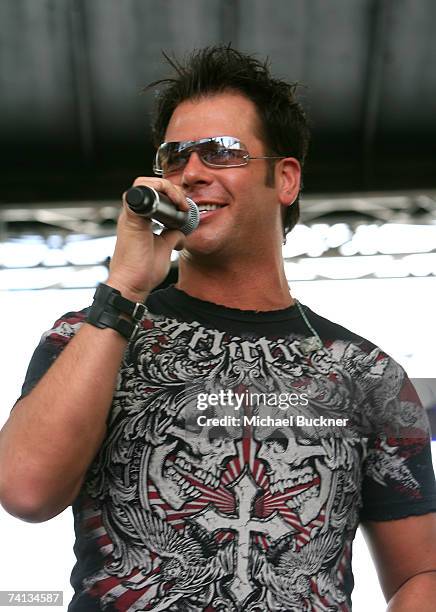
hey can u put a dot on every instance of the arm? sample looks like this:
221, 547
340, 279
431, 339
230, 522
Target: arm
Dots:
404, 552
53, 434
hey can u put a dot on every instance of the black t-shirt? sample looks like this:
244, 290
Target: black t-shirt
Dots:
237, 465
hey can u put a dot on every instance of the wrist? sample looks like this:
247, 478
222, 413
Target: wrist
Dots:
131, 293
112, 309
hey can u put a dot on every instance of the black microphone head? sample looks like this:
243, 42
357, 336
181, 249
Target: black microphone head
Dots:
140, 199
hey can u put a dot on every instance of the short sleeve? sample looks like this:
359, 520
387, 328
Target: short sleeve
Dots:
50, 346
398, 477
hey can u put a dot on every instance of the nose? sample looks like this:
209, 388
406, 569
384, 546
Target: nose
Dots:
195, 172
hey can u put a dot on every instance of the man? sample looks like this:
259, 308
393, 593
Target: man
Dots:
221, 457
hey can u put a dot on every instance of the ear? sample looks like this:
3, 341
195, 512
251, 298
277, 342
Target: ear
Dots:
287, 180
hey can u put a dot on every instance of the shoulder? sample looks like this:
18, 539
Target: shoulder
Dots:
65, 327
161, 299
347, 345
331, 330
52, 342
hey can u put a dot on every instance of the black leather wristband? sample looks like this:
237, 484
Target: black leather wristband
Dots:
107, 308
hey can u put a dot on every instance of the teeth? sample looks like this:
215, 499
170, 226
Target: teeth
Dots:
209, 479
185, 488
202, 475
207, 207
280, 485
183, 464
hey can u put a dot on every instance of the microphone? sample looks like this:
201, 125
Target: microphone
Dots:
147, 202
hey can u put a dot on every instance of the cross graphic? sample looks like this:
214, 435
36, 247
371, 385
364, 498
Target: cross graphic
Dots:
244, 524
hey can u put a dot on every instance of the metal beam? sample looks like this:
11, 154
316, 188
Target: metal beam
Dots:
98, 217
82, 78
230, 22
373, 85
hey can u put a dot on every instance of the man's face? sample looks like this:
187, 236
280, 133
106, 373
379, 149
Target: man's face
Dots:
247, 219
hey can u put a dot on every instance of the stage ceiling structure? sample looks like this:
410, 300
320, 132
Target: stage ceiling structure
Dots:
74, 121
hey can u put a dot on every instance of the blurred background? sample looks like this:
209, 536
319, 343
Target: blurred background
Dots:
74, 130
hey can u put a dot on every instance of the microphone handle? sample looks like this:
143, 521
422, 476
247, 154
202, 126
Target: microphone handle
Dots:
149, 203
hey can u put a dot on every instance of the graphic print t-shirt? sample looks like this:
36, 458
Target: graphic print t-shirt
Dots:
237, 465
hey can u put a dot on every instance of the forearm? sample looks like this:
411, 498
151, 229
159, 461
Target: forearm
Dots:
417, 593
53, 434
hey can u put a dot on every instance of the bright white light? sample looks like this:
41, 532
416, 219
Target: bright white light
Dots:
297, 241
94, 251
54, 257
380, 266
396, 238
20, 254
365, 235
41, 278
421, 265
337, 267
388, 267
299, 271
338, 234
391, 238
363, 241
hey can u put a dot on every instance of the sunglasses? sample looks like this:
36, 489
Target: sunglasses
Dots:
217, 152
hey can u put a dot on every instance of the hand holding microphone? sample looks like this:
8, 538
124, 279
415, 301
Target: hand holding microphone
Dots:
141, 259
149, 203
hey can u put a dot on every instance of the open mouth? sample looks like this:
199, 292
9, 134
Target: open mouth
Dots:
188, 476
184, 486
304, 496
304, 485
305, 491
300, 480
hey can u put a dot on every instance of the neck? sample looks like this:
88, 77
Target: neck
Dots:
259, 285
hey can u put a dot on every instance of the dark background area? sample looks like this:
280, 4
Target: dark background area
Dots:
74, 124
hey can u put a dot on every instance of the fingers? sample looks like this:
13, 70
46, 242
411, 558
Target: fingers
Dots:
130, 222
174, 192
172, 239
141, 258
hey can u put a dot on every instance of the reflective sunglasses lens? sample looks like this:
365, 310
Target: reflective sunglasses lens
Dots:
224, 151
224, 157
169, 158
220, 151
